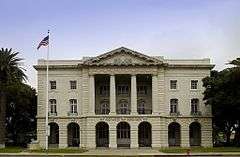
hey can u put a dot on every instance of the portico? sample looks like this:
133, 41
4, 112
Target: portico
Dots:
122, 94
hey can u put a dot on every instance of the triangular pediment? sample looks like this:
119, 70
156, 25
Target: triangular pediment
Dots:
123, 56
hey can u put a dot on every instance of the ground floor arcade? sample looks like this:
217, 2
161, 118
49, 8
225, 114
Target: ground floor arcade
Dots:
127, 132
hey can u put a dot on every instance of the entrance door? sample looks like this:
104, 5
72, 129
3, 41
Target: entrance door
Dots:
102, 134
174, 135
123, 134
73, 135
145, 134
195, 134
53, 139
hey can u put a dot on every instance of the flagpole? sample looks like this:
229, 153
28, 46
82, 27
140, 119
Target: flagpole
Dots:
47, 127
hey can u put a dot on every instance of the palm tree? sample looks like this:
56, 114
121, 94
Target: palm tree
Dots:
10, 74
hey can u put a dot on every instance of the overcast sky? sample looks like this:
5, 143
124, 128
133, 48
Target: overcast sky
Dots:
170, 28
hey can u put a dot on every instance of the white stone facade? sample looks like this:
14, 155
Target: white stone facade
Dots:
123, 99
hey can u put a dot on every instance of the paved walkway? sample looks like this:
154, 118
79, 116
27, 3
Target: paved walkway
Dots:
123, 152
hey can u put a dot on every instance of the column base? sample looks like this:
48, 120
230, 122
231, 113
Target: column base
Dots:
2, 145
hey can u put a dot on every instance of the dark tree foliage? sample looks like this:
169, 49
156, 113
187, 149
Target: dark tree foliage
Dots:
21, 115
17, 98
223, 94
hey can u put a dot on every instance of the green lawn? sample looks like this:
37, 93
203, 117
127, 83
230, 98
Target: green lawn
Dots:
11, 150
199, 149
56, 150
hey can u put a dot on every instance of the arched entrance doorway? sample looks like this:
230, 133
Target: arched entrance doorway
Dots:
102, 134
144, 134
195, 134
174, 134
73, 135
123, 134
53, 139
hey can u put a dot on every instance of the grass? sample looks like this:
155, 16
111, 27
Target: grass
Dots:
11, 150
56, 150
199, 149
51, 150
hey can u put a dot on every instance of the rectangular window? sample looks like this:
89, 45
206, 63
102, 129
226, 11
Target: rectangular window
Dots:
194, 84
104, 90
73, 84
173, 84
53, 85
194, 105
173, 105
142, 90
73, 105
53, 106
123, 89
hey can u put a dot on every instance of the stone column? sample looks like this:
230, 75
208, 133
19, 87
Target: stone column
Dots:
155, 108
91, 106
112, 95
63, 136
133, 95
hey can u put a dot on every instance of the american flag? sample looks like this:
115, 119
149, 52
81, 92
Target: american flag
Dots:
44, 42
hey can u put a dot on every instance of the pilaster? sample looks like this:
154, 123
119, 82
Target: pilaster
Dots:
62, 136
112, 137
185, 136
134, 136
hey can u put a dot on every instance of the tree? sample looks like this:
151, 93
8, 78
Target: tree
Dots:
21, 115
223, 94
11, 74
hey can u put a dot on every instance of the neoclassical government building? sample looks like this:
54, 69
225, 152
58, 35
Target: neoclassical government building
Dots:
124, 98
